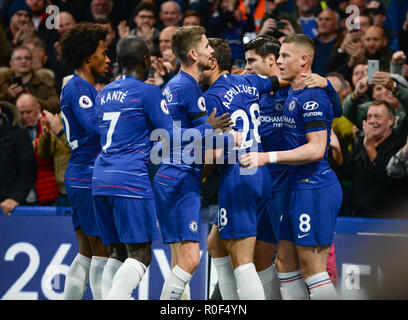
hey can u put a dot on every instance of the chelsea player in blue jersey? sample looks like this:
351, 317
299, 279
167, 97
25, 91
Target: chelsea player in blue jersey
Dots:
84, 50
261, 55
242, 197
308, 226
177, 181
128, 110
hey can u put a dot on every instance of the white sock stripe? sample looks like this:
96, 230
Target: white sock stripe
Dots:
319, 283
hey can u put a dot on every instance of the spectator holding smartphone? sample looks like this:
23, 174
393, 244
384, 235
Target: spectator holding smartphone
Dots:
20, 78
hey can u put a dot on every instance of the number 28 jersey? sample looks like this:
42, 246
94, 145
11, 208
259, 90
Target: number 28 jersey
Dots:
239, 96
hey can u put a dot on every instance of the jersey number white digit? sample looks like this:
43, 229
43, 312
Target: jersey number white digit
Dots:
304, 222
245, 125
222, 217
72, 144
113, 117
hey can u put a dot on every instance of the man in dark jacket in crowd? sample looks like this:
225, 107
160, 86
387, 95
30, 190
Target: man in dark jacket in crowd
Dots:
17, 161
375, 194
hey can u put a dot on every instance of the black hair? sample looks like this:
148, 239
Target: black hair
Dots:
222, 52
80, 42
131, 52
264, 45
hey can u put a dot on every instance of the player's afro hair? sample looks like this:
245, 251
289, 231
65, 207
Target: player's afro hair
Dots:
80, 42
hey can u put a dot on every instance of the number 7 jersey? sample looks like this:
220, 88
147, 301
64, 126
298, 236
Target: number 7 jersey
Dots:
127, 110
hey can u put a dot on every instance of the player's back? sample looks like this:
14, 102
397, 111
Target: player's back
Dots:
305, 111
125, 128
239, 96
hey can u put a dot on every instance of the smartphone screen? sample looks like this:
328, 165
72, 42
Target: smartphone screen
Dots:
280, 25
372, 67
18, 80
151, 72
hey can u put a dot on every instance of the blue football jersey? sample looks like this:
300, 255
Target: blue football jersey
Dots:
271, 128
128, 110
239, 96
81, 129
271, 131
181, 166
306, 111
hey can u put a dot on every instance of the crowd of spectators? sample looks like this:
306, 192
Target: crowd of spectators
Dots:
369, 146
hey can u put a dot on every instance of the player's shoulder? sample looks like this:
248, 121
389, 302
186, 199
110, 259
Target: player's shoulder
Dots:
214, 93
253, 78
317, 93
313, 99
77, 85
78, 91
313, 94
130, 84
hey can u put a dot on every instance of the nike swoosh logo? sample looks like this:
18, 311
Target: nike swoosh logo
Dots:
300, 237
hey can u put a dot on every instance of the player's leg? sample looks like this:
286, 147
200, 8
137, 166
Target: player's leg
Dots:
264, 263
315, 218
220, 258
186, 292
242, 257
76, 280
313, 263
135, 222
187, 259
77, 277
103, 208
118, 255
267, 243
313, 253
131, 272
100, 255
179, 213
293, 286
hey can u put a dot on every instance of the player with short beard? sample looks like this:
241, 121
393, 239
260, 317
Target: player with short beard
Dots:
177, 184
315, 195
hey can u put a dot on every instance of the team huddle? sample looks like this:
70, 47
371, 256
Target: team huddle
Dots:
267, 131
